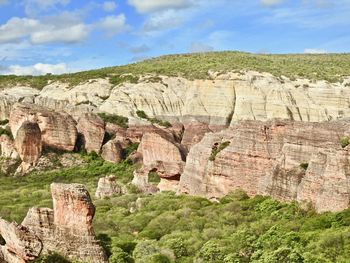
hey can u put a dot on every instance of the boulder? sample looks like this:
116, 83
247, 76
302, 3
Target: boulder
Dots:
7, 147
28, 143
112, 152
57, 128
22, 245
283, 159
67, 228
108, 187
92, 129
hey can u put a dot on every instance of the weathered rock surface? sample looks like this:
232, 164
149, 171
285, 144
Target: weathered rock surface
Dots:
286, 160
112, 151
58, 129
108, 187
28, 143
67, 229
7, 147
161, 155
92, 129
22, 245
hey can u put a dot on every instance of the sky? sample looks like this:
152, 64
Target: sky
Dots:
59, 36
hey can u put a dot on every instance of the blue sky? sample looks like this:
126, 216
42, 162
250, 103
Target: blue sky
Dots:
57, 36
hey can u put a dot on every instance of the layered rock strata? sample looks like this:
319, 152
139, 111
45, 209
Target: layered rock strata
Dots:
283, 159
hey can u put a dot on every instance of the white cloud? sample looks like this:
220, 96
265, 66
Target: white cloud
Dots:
197, 47
109, 6
271, 2
315, 51
146, 6
37, 69
62, 29
33, 7
113, 25
72, 34
17, 28
163, 20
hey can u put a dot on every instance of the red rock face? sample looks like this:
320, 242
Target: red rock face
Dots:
72, 206
92, 129
28, 142
58, 130
112, 152
270, 158
67, 229
194, 133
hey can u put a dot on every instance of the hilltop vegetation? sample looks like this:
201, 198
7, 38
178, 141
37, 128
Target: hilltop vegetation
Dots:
169, 228
330, 67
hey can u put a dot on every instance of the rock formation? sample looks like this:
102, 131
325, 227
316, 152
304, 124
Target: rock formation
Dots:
92, 129
67, 229
112, 151
58, 130
22, 245
108, 187
286, 160
7, 147
28, 143
161, 155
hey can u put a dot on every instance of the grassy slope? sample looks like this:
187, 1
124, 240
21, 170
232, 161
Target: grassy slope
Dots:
331, 67
239, 229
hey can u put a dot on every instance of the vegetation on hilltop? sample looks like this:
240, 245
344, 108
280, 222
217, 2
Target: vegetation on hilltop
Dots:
331, 67
171, 228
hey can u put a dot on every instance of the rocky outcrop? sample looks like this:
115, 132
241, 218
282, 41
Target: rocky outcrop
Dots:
22, 245
108, 187
7, 147
91, 128
67, 229
112, 151
283, 159
58, 129
28, 143
161, 155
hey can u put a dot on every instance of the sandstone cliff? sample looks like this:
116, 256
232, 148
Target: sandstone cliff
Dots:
284, 159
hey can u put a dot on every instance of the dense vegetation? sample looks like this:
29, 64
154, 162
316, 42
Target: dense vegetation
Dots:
115, 119
170, 228
141, 114
331, 67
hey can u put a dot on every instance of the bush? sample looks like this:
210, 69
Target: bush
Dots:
217, 149
345, 141
304, 166
4, 122
141, 114
6, 132
115, 119
52, 258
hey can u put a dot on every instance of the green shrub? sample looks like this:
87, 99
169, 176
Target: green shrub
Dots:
4, 122
6, 132
344, 141
115, 119
130, 149
153, 177
52, 258
217, 149
141, 114
304, 166
119, 79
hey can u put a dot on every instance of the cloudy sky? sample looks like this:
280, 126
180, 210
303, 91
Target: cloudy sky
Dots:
57, 36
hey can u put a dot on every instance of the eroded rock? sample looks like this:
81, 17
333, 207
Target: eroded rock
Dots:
92, 129
112, 151
283, 159
67, 229
57, 128
108, 187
